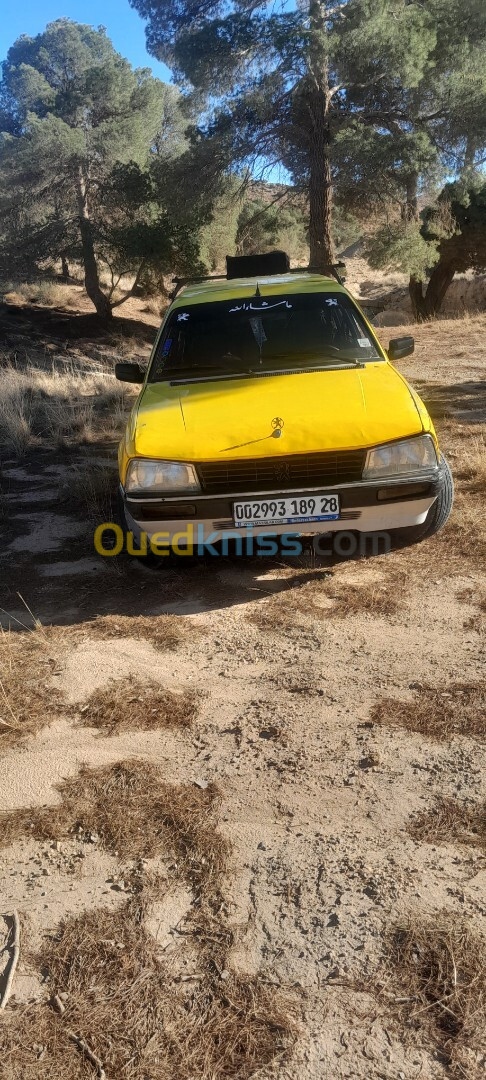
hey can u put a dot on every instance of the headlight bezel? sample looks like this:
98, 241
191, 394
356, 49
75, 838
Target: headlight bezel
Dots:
392, 470
170, 486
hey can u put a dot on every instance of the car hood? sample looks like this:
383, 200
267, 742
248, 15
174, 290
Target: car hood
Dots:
314, 411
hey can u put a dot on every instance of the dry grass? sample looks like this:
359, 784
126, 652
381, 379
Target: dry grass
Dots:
334, 599
60, 408
123, 1001
124, 996
372, 598
132, 705
450, 821
28, 701
136, 815
163, 631
459, 709
436, 982
464, 537
470, 468
92, 488
46, 293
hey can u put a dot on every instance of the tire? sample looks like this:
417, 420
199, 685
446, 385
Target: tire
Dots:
437, 516
440, 511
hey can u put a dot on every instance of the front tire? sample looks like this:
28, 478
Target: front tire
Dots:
437, 516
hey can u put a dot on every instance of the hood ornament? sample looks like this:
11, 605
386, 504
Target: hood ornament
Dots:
277, 425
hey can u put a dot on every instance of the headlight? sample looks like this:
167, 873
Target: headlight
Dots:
404, 458
161, 476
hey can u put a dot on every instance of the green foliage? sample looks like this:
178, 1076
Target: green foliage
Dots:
402, 247
85, 135
457, 224
404, 83
264, 225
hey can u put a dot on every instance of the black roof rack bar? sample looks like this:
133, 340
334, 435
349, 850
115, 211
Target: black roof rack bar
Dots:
179, 282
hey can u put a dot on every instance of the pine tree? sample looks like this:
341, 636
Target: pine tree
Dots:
286, 83
80, 132
410, 135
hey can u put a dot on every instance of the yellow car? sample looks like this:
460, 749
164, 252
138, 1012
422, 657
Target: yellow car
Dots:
270, 408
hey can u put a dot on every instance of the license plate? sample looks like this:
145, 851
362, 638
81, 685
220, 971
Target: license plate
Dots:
293, 510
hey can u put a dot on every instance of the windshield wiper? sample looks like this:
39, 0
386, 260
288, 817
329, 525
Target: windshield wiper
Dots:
203, 375
324, 361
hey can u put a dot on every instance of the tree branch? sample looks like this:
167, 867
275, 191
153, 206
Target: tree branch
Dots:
134, 286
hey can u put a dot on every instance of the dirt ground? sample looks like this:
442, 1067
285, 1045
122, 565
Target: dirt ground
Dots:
289, 659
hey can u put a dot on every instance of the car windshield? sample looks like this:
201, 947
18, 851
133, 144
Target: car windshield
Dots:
261, 334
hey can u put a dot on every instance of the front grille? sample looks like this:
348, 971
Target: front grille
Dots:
281, 473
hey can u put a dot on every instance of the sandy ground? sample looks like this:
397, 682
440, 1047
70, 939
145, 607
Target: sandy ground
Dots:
316, 797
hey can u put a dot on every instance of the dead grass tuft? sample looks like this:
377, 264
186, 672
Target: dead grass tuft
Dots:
437, 983
450, 821
61, 408
136, 815
459, 709
123, 1001
469, 464
92, 489
334, 599
132, 705
371, 598
163, 631
27, 700
124, 997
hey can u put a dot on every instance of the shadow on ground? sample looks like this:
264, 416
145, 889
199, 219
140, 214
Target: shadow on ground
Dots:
50, 506
462, 401
47, 325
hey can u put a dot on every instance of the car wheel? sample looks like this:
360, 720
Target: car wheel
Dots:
437, 515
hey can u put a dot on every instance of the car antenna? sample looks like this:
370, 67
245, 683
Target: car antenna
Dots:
257, 290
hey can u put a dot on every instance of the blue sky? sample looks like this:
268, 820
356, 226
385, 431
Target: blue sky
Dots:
125, 28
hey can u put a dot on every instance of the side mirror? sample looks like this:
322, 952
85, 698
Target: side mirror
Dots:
129, 373
400, 346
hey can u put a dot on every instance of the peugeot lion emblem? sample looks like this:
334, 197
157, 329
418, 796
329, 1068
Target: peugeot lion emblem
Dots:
281, 471
277, 424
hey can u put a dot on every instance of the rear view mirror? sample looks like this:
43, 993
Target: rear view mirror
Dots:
400, 346
129, 373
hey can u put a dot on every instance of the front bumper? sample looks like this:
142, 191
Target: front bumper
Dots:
366, 507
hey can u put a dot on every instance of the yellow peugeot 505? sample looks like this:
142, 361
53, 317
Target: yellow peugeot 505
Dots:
270, 405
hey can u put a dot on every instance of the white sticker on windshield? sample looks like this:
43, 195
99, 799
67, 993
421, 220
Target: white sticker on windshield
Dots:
264, 306
364, 343
184, 317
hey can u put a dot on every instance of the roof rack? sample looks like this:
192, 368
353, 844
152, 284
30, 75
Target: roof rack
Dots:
333, 269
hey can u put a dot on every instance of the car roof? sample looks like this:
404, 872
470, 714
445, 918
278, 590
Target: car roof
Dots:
205, 292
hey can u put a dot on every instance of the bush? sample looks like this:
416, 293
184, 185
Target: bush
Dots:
46, 293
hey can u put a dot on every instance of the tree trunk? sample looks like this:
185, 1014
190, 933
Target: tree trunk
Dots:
410, 214
416, 293
320, 188
320, 179
426, 302
64, 267
91, 277
438, 284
